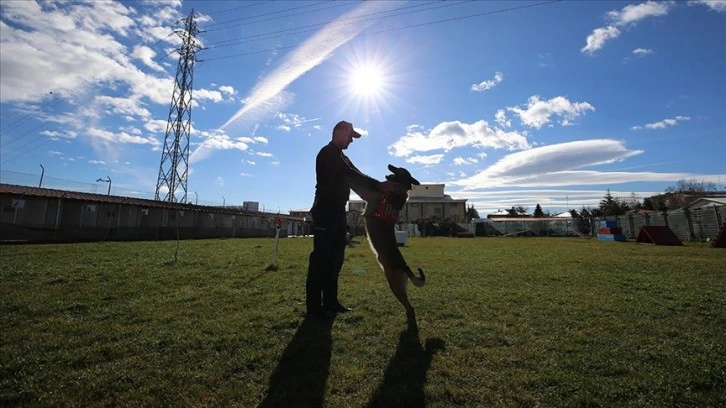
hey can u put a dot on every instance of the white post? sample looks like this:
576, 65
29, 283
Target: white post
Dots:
277, 242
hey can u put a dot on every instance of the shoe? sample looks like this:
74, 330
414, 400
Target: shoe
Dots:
337, 308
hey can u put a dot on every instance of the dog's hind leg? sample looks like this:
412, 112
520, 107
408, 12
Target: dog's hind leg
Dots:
398, 284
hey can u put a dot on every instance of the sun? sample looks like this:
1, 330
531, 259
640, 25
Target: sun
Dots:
367, 81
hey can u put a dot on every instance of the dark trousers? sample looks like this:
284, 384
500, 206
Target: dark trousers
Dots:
326, 259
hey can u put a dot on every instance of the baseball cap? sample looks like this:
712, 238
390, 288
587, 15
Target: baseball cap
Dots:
343, 125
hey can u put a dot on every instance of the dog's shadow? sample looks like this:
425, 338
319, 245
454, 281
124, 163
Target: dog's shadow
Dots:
300, 376
405, 377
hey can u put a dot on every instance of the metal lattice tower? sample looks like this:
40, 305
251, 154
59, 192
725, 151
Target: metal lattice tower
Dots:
171, 185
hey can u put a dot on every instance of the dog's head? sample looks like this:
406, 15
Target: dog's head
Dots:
401, 175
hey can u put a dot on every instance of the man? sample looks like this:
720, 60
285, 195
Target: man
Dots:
334, 173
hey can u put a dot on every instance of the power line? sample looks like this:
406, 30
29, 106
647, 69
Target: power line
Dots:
509, 9
267, 14
343, 21
237, 8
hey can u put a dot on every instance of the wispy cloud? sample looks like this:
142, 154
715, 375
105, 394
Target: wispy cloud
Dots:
307, 56
619, 19
488, 84
663, 123
561, 165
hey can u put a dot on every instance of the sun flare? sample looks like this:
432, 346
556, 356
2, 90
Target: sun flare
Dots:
367, 81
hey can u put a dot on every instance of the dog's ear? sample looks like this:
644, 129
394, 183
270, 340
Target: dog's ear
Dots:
415, 182
393, 169
391, 177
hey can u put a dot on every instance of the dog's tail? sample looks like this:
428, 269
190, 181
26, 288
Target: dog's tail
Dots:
416, 280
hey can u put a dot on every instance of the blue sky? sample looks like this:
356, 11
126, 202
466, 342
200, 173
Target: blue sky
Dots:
507, 103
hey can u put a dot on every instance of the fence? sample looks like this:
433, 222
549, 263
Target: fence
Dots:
700, 224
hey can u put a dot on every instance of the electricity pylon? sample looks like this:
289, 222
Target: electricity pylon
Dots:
174, 167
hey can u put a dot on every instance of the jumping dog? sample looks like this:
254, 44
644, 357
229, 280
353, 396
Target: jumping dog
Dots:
380, 215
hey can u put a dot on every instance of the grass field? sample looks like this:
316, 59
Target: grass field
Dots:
553, 322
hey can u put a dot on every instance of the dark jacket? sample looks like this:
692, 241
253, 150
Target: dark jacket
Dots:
335, 172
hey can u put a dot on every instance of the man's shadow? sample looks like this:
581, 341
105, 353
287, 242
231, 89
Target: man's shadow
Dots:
300, 377
404, 380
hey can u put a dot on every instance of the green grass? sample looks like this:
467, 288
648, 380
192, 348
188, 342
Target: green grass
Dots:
503, 322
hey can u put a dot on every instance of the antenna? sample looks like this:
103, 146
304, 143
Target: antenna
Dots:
174, 167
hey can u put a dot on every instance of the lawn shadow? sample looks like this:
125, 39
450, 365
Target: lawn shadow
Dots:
403, 382
300, 376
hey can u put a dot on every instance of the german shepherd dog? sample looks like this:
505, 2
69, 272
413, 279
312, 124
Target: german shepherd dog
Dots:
380, 215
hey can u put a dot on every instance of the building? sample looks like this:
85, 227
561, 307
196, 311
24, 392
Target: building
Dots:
425, 201
34, 214
707, 202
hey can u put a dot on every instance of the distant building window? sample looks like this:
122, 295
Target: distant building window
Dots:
18, 204
91, 207
437, 211
144, 211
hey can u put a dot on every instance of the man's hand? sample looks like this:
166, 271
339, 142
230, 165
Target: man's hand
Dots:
389, 186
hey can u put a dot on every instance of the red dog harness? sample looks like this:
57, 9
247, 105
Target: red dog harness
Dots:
386, 212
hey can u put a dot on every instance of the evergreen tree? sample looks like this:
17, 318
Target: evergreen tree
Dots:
538, 213
471, 213
612, 206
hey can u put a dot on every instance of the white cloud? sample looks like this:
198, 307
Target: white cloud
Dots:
96, 162
461, 161
227, 90
663, 123
123, 106
642, 51
501, 118
488, 84
121, 137
83, 45
718, 6
220, 140
56, 135
449, 135
207, 94
632, 13
291, 120
599, 36
425, 160
146, 55
626, 17
538, 112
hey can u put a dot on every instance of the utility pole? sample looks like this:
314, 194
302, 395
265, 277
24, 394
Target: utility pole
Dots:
171, 185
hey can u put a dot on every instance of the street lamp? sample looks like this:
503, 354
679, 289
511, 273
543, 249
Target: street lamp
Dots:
107, 180
197, 198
